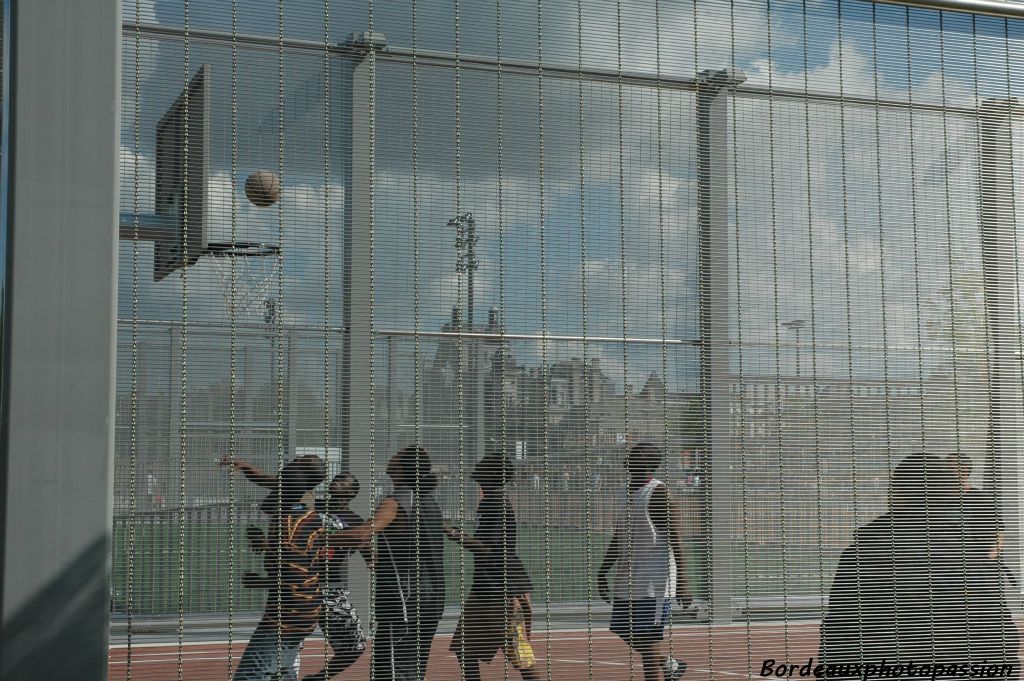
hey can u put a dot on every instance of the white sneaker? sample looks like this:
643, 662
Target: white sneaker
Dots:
674, 669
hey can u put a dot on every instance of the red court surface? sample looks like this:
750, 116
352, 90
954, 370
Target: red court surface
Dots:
721, 652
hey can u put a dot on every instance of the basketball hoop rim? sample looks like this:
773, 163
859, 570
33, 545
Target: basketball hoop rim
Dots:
241, 249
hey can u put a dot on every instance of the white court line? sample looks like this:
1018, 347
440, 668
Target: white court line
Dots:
604, 662
676, 632
172, 660
169, 660
186, 653
720, 671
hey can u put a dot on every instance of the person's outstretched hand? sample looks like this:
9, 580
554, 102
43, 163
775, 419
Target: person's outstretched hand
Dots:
227, 462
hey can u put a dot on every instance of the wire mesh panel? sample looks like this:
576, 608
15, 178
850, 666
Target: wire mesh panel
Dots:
596, 340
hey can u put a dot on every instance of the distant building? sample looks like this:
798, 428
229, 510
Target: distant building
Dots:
813, 458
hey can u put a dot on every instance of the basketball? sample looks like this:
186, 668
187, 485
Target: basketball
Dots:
263, 188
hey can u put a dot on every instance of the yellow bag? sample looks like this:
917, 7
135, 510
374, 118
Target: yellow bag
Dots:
518, 650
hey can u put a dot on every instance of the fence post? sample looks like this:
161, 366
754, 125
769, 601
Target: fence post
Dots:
59, 238
356, 408
713, 94
999, 260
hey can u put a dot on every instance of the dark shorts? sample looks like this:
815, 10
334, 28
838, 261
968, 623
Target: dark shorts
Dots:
480, 632
636, 623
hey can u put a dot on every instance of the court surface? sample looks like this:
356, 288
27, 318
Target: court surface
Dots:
720, 652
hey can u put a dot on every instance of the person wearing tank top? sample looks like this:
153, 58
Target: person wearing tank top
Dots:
409, 566
646, 553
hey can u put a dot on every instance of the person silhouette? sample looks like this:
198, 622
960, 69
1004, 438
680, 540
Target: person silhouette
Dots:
294, 553
409, 598
914, 587
500, 593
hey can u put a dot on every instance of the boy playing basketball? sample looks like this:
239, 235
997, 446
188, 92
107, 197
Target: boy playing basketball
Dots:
295, 548
647, 553
338, 619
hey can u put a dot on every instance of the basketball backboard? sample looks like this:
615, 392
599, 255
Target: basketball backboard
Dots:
182, 163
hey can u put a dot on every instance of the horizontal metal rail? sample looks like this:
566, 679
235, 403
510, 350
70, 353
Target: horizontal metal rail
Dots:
271, 329
992, 8
264, 330
469, 62
130, 28
534, 336
402, 55
247, 328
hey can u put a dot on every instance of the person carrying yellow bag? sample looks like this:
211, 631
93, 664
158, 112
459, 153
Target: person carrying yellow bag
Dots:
518, 650
497, 613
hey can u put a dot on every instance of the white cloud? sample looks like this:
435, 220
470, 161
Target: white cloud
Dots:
144, 10
137, 180
802, 213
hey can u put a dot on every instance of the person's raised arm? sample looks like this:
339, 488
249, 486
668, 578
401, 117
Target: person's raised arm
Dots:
252, 473
360, 536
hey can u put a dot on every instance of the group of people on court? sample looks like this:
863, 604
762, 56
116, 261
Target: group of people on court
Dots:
922, 582
309, 543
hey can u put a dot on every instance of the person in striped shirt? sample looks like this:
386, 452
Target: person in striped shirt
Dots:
295, 552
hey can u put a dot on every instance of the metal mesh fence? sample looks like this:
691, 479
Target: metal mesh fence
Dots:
777, 241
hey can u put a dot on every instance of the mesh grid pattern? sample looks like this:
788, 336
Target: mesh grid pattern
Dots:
777, 240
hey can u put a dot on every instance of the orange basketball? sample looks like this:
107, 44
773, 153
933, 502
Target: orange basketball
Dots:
263, 188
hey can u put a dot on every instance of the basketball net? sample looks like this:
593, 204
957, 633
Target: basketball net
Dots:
246, 273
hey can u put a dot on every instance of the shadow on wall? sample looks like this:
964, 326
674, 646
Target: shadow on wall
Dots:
62, 632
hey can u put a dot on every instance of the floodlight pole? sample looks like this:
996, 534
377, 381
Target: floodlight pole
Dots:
796, 325
466, 263
465, 259
714, 90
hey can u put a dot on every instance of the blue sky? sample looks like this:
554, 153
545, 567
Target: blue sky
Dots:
820, 259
